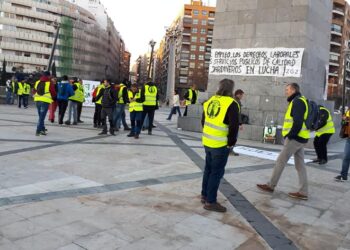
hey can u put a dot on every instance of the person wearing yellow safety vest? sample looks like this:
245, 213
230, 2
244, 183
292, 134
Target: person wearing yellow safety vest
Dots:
109, 98
191, 97
74, 101
44, 93
296, 136
26, 93
220, 121
14, 85
119, 113
81, 99
346, 159
150, 92
136, 99
22, 87
98, 105
325, 129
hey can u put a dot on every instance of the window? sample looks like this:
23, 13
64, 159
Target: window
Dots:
211, 22
211, 14
201, 65
195, 21
204, 12
26, 54
194, 30
193, 57
334, 58
193, 47
190, 73
194, 39
201, 57
336, 28
192, 65
202, 40
204, 22
18, 53
203, 31
195, 12
202, 48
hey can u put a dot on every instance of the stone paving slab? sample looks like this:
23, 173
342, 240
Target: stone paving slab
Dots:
118, 193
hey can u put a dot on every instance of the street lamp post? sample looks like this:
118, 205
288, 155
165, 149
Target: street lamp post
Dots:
152, 43
56, 25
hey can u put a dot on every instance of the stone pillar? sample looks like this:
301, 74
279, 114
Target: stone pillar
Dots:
269, 24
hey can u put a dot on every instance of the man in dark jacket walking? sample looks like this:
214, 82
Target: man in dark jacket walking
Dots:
109, 98
296, 136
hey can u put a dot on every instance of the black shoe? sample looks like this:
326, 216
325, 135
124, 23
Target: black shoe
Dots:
131, 135
37, 133
67, 123
60, 123
43, 133
80, 121
52, 120
167, 119
95, 125
136, 136
149, 132
154, 126
75, 123
322, 162
340, 178
112, 133
116, 130
127, 129
102, 133
315, 160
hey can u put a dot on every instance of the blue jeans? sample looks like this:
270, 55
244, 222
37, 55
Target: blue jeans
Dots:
72, 110
8, 97
346, 160
119, 116
215, 162
42, 107
136, 122
173, 111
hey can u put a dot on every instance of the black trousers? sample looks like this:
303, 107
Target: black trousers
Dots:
97, 115
62, 107
185, 113
320, 144
107, 112
150, 112
20, 101
80, 107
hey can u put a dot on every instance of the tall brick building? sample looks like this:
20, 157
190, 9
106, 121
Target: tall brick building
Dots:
195, 25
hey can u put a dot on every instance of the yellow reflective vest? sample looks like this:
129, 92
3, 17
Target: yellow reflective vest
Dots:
99, 87
120, 94
78, 93
26, 89
150, 95
45, 97
288, 121
133, 105
20, 88
329, 127
215, 131
190, 96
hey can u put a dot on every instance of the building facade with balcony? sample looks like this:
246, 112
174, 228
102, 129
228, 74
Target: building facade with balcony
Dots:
340, 35
87, 47
194, 26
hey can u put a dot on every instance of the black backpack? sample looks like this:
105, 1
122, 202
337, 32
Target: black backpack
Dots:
313, 115
40, 88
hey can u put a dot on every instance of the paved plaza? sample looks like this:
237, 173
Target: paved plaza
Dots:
75, 190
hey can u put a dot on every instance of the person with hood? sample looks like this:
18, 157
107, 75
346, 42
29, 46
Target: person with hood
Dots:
44, 93
150, 93
64, 91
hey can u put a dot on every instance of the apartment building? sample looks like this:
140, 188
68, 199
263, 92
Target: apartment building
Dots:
86, 47
340, 35
194, 33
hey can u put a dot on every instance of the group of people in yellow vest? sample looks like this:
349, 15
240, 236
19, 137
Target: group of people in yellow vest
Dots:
110, 101
220, 128
20, 89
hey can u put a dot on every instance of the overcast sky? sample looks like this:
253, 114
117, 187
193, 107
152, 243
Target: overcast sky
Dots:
139, 21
